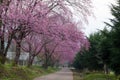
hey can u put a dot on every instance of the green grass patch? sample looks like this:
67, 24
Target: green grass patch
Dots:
99, 76
7, 72
79, 75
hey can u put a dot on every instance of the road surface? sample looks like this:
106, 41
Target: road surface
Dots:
64, 74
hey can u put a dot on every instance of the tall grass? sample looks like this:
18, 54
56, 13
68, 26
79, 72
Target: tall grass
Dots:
8, 72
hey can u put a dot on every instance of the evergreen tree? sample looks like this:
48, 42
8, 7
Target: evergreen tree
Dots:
114, 37
89, 59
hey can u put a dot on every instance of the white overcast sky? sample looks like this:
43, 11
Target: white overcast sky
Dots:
102, 14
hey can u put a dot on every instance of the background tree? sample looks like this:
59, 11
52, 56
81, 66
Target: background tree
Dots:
107, 48
104, 49
98, 54
86, 58
114, 38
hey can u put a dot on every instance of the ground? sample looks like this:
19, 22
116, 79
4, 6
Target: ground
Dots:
64, 74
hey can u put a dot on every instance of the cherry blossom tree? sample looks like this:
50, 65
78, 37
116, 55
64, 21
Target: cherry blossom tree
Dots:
4, 4
65, 47
21, 18
33, 46
17, 24
59, 37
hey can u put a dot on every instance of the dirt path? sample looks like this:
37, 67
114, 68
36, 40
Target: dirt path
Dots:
64, 74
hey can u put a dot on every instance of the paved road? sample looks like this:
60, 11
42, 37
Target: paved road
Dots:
64, 74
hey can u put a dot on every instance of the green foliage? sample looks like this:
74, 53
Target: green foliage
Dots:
114, 38
78, 62
78, 75
115, 61
104, 47
99, 76
90, 59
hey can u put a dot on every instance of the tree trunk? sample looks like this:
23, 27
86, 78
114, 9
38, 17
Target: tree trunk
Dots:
106, 71
2, 58
18, 51
45, 65
6, 50
30, 60
2, 45
51, 62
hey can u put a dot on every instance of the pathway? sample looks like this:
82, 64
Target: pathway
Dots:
64, 74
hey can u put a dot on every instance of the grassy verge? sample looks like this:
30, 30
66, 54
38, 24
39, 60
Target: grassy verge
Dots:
77, 75
7, 72
99, 76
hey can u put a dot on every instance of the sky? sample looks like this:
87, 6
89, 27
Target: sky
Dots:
102, 14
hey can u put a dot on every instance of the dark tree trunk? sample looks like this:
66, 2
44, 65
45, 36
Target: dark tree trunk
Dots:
30, 60
2, 44
6, 50
106, 71
2, 56
46, 63
18, 51
51, 62
3, 50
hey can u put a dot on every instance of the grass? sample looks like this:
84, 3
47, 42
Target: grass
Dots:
7, 72
77, 75
99, 76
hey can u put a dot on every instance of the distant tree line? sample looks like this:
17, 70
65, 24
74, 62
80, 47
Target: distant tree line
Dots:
104, 52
